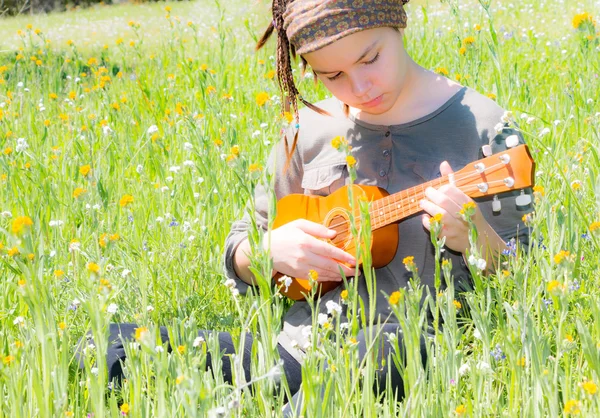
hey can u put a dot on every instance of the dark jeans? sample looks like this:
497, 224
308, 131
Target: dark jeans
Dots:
122, 333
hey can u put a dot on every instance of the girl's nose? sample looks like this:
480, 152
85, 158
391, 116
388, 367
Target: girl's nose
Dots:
360, 86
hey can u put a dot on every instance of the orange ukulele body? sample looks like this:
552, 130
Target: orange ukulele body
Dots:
506, 171
333, 211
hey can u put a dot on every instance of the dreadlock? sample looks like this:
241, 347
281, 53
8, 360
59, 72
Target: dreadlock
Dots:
285, 78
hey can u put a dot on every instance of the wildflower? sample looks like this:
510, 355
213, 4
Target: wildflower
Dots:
583, 19
270, 74
179, 380
554, 286
558, 258
140, 333
460, 410
181, 349
93, 267
313, 276
125, 409
442, 71
262, 98
337, 142
394, 298
288, 117
198, 341
408, 262
125, 200
255, 168
78, 192
469, 40
84, 170
572, 407
589, 387
285, 281
344, 294
333, 308
491, 96
468, 209
462, 50
8, 359
437, 218
20, 223
457, 304
19, 320
13, 252
351, 161
594, 226
521, 362
112, 308
576, 185
539, 190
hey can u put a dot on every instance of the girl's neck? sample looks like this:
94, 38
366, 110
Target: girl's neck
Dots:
422, 93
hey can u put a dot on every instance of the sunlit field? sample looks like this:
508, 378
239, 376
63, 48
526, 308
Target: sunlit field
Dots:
131, 136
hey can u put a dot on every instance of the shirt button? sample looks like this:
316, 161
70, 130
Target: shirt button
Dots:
387, 133
386, 152
382, 173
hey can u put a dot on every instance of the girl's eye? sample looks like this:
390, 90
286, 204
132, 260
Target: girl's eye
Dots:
373, 60
338, 75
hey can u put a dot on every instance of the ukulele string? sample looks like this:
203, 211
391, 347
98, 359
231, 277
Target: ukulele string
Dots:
388, 210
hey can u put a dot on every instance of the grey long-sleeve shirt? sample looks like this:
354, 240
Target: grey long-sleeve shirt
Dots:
394, 158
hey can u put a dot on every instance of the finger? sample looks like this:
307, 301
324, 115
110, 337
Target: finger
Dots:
457, 195
440, 199
314, 229
445, 168
425, 219
327, 250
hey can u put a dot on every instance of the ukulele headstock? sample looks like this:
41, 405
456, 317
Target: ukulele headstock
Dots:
505, 171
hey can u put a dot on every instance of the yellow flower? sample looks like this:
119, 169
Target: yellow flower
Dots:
20, 223
179, 380
573, 407
125, 408
58, 273
435, 218
442, 70
491, 96
457, 304
576, 185
468, 208
262, 98
338, 141
594, 226
254, 168
553, 286
521, 362
103, 240
126, 200
539, 190
408, 261
78, 192
394, 298
13, 252
288, 117
21, 283
270, 74
93, 267
589, 387
140, 332
469, 40
85, 170
210, 89
62, 325
313, 275
114, 237
477, 27
181, 349
7, 151
344, 294
235, 150
460, 410
351, 161
7, 360
583, 19
462, 50
53, 96
558, 258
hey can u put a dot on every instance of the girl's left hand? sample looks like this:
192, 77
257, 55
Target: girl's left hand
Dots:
448, 200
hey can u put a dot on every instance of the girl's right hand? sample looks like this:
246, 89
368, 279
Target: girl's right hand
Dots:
296, 249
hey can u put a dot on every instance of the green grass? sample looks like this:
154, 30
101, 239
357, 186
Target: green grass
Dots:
198, 84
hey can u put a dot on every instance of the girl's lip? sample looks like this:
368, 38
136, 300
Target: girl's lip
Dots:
373, 102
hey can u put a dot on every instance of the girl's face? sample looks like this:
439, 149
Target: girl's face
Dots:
365, 70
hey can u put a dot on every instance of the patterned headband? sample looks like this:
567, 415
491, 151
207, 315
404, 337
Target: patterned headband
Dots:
314, 24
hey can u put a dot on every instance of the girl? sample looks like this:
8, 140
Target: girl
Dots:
406, 125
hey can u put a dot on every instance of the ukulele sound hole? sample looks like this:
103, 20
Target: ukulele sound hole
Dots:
340, 224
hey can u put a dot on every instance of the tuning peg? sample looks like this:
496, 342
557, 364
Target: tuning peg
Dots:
512, 141
480, 167
496, 204
486, 150
509, 182
483, 187
523, 200
505, 158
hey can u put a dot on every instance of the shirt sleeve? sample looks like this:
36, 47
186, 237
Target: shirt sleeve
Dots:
287, 180
508, 222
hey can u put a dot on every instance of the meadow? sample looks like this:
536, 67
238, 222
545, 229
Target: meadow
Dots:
131, 136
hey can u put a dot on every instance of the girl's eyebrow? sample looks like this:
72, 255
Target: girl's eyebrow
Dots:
364, 54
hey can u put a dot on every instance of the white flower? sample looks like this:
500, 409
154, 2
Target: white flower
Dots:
159, 349
7, 214
344, 325
19, 320
307, 331
191, 238
285, 281
106, 130
198, 341
322, 318
256, 133
175, 169
125, 273
530, 120
188, 146
484, 367
235, 292
94, 371
481, 264
333, 308
76, 302
22, 145
230, 283
20, 84
188, 163
590, 101
152, 130
544, 132
464, 369
112, 308
56, 223
472, 260
507, 116
477, 334
160, 220
200, 180
139, 169
150, 308
557, 122
96, 206
74, 246
164, 189
499, 128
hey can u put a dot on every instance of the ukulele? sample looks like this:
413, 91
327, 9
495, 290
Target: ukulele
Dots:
510, 170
